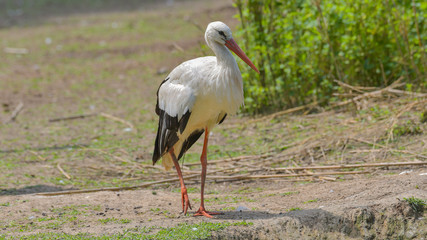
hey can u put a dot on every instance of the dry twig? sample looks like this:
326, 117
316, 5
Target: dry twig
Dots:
343, 84
389, 149
287, 111
62, 171
402, 111
37, 155
234, 159
369, 94
72, 117
247, 176
115, 189
15, 113
106, 115
367, 165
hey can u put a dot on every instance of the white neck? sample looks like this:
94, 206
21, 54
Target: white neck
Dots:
224, 57
228, 76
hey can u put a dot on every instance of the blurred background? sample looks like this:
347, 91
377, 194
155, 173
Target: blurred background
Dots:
78, 82
342, 82
78, 78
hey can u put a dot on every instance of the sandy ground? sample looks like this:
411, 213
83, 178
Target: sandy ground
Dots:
263, 203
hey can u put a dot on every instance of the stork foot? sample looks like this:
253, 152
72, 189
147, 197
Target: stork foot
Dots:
185, 201
203, 212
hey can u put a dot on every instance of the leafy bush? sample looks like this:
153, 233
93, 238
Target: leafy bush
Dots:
302, 46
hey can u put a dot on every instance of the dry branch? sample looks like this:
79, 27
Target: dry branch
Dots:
13, 50
246, 176
343, 84
72, 117
106, 153
62, 171
114, 189
37, 155
389, 149
179, 48
369, 94
234, 159
349, 166
401, 92
287, 111
15, 113
196, 24
106, 115
402, 111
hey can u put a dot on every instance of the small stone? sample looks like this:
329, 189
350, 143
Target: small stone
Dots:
406, 172
48, 40
241, 208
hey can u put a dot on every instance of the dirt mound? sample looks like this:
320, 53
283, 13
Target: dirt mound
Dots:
395, 221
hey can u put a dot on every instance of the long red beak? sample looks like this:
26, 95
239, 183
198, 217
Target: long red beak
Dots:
232, 45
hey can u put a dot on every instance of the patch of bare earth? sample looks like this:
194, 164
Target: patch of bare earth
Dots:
369, 208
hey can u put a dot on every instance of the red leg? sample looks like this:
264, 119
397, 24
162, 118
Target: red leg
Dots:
184, 196
202, 211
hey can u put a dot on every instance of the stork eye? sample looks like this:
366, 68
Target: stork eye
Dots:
222, 33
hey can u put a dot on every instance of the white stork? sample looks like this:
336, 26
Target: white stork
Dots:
197, 95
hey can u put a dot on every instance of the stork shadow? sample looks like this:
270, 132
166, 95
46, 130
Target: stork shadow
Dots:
32, 189
44, 148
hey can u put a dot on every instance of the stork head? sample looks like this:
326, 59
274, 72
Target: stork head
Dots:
221, 33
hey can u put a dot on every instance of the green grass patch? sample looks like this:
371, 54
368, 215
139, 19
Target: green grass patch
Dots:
294, 209
243, 190
228, 208
407, 128
189, 190
114, 220
311, 201
226, 199
416, 204
289, 193
182, 231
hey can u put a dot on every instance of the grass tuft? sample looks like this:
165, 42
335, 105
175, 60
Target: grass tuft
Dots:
416, 204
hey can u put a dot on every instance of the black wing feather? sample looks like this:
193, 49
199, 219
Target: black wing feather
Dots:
157, 94
223, 118
167, 132
190, 141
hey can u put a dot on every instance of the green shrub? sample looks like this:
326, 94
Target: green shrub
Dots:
302, 46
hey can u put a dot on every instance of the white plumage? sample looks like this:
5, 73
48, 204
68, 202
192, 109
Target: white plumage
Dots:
197, 95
